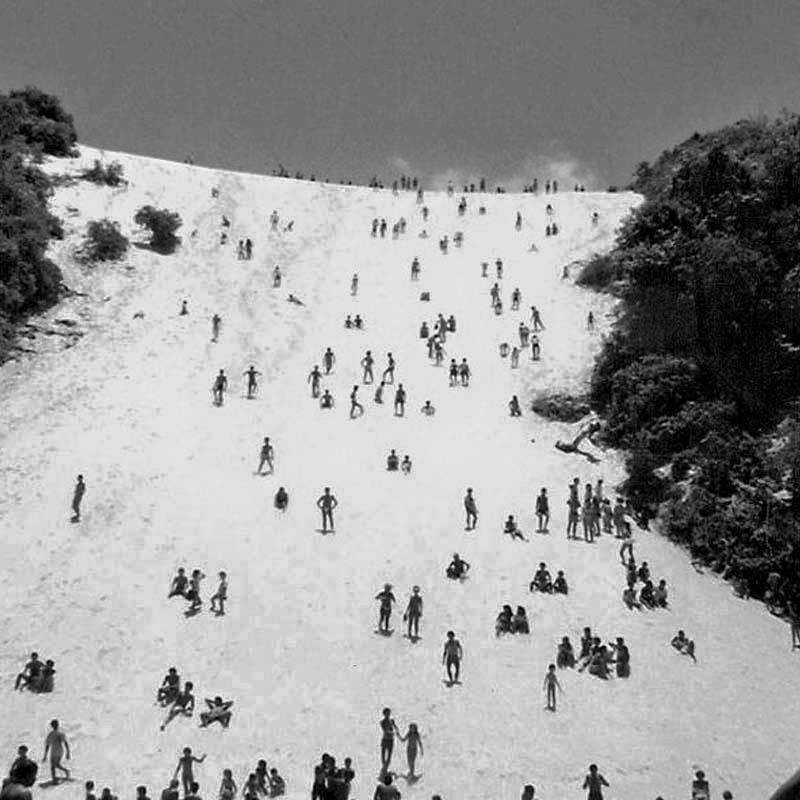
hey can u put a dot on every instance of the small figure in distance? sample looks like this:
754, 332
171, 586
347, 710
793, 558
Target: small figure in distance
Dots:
457, 568
281, 499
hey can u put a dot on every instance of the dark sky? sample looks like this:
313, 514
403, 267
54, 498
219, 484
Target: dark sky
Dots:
503, 88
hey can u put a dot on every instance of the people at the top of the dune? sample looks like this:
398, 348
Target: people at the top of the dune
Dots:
548, 210
457, 568
595, 218
660, 594
643, 573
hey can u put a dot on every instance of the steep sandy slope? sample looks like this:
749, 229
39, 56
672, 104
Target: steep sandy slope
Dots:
170, 482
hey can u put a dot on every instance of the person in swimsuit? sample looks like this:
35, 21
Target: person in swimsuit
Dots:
550, 685
413, 613
388, 730
451, 657
326, 503
57, 746
183, 705
252, 383
413, 745
387, 598
185, 765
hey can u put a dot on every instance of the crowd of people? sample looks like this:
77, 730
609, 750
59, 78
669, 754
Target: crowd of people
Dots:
591, 509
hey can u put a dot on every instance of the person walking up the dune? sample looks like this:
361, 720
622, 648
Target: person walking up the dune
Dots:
400, 401
77, 497
220, 596
266, 457
219, 387
542, 511
464, 372
326, 503
413, 613
386, 598
451, 657
388, 730
388, 373
57, 746
354, 285
216, 321
356, 409
536, 319
471, 507
550, 685
276, 277
366, 365
328, 360
314, 378
252, 383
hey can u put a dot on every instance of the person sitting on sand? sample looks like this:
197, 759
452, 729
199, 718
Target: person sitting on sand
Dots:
504, 621
519, 624
457, 568
218, 711
542, 582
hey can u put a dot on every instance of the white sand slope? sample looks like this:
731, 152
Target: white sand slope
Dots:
170, 482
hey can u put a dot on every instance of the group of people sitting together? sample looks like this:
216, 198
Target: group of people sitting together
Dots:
542, 581
37, 675
683, 645
649, 596
510, 622
393, 463
595, 656
332, 782
181, 702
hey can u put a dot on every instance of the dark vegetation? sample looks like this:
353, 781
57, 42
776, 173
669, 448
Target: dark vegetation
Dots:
32, 124
700, 379
162, 225
104, 241
105, 175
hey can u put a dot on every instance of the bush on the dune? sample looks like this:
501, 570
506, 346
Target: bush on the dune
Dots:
37, 119
561, 407
107, 175
704, 358
104, 241
162, 225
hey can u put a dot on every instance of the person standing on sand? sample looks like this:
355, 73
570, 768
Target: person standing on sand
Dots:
57, 746
77, 496
594, 782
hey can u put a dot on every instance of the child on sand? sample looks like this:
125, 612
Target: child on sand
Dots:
550, 685
413, 744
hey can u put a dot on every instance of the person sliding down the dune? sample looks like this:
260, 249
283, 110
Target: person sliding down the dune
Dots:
296, 300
